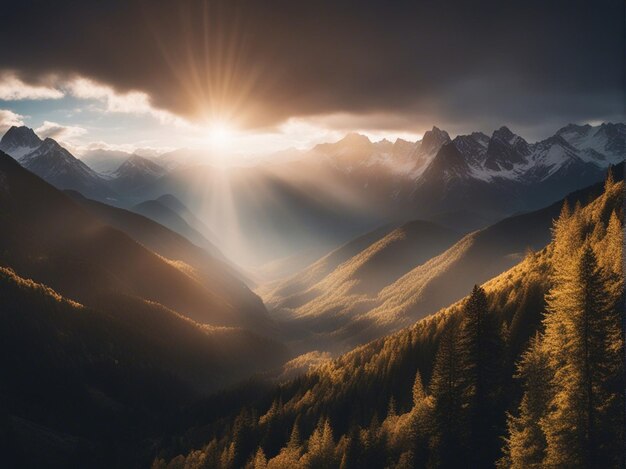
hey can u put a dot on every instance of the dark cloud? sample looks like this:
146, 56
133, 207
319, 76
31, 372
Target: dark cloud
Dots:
463, 63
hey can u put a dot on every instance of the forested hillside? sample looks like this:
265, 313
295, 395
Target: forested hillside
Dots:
386, 280
525, 371
84, 385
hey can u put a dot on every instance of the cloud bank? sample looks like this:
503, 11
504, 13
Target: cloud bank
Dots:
400, 65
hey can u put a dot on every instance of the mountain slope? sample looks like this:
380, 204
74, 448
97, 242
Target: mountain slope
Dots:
211, 264
80, 384
49, 238
379, 405
182, 211
306, 278
477, 257
326, 312
162, 214
59, 167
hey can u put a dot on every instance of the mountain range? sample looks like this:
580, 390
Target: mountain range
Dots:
334, 192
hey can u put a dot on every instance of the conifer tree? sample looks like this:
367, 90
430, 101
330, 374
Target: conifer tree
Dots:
352, 450
580, 379
321, 447
480, 358
260, 461
289, 455
273, 434
446, 387
418, 389
420, 420
610, 249
294, 439
526, 443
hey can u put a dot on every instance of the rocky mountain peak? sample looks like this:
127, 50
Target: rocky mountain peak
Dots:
18, 141
433, 140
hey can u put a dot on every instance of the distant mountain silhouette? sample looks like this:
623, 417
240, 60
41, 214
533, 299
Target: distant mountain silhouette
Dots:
161, 213
104, 161
181, 209
48, 237
134, 173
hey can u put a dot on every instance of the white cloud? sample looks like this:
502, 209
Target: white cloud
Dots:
141, 148
9, 118
14, 89
132, 102
63, 133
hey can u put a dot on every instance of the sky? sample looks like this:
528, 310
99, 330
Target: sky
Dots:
247, 77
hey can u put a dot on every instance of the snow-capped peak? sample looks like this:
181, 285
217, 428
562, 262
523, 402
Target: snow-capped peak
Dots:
604, 144
19, 141
139, 164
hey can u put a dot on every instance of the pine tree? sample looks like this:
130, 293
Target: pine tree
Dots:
294, 439
609, 182
610, 249
526, 442
273, 434
421, 417
321, 446
480, 356
566, 242
446, 387
227, 458
352, 450
567, 236
260, 461
580, 379
418, 389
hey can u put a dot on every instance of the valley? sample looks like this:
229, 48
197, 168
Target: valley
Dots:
123, 282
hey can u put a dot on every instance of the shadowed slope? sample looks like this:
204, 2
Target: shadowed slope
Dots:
49, 238
212, 265
170, 218
81, 383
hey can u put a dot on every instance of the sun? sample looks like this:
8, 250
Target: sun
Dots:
220, 135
